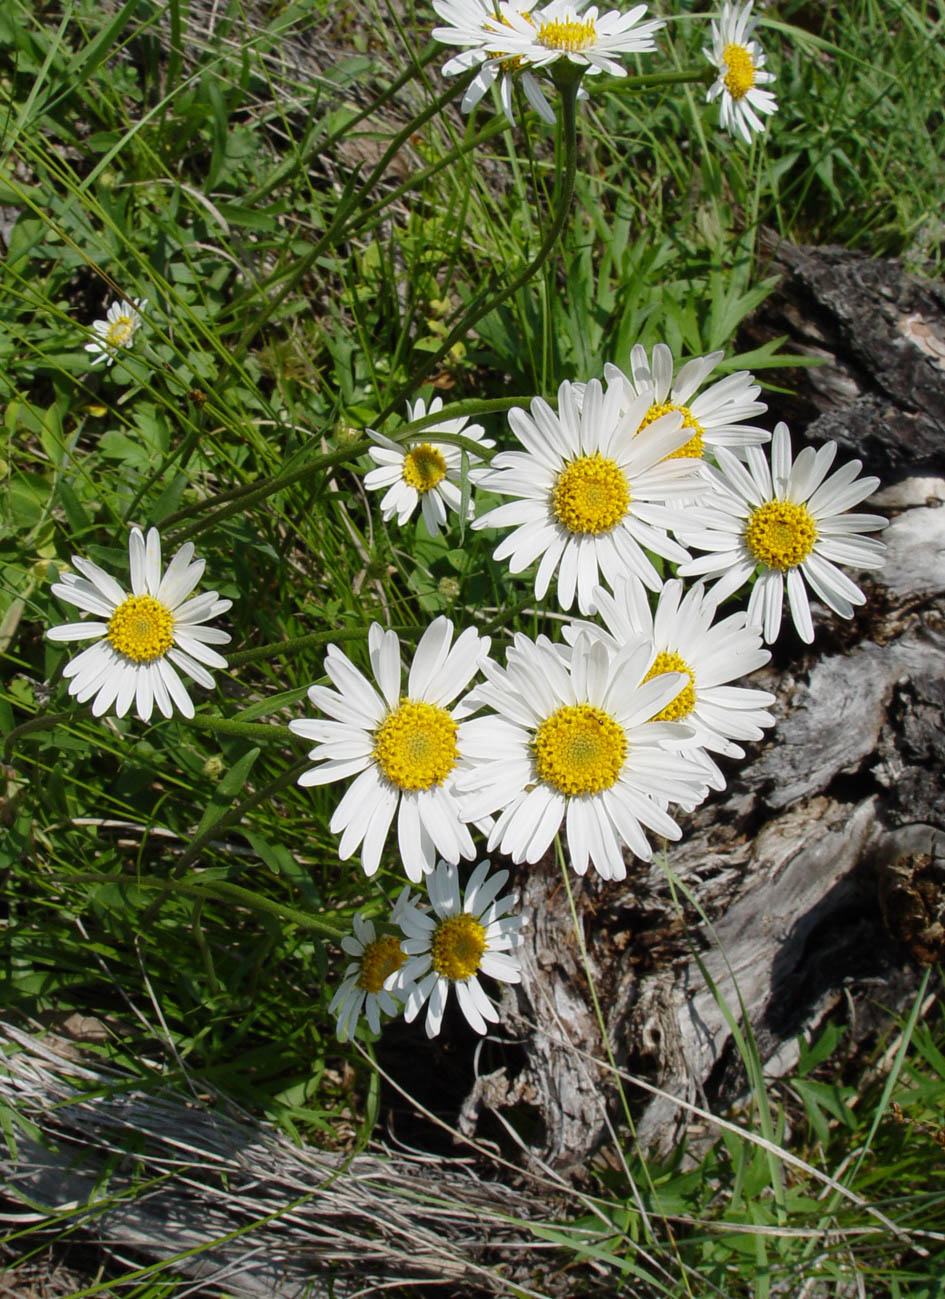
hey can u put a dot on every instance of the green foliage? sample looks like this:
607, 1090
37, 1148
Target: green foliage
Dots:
308, 240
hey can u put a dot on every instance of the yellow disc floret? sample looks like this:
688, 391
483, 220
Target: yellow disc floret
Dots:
780, 534
379, 961
685, 701
415, 745
141, 628
424, 467
457, 947
579, 750
590, 495
120, 331
694, 447
570, 35
739, 70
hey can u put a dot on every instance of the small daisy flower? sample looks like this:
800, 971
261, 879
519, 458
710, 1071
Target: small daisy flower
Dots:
144, 636
595, 491
684, 639
403, 750
716, 417
467, 935
789, 524
573, 742
740, 61
426, 472
116, 331
365, 988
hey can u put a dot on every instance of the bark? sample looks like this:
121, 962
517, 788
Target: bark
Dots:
815, 883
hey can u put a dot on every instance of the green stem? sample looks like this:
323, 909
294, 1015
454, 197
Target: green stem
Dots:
42, 722
485, 301
221, 890
236, 814
242, 498
337, 229
652, 80
303, 642
246, 730
493, 129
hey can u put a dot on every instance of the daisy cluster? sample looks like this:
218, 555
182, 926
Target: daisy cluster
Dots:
603, 735
609, 500
509, 42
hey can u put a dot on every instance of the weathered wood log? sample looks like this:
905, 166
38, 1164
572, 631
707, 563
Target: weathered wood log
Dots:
816, 881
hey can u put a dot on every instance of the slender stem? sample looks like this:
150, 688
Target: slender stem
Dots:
42, 722
241, 498
247, 730
222, 890
350, 201
485, 302
236, 814
303, 642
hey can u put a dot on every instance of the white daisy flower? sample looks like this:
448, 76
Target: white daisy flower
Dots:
365, 988
474, 23
404, 750
573, 742
740, 61
683, 639
508, 39
595, 491
789, 522
144, 635
424, 471
465, 937
116, 331
583, 35
716, 417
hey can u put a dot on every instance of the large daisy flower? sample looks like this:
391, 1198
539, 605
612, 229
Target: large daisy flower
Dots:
377, 959
573, 742
141, 638
713, 418
403, 749
427, 472
594, 489
789, 524
740, 61
685, 639
466, 936
116, 331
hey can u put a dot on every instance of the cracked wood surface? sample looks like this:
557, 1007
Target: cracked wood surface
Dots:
815, 881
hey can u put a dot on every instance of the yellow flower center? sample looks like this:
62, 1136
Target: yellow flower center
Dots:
694, 446
458, 945
141, 628
569, 36
120, 331
685, 701
579, 750
780, 534
415, 745
590, 495
424, 467
740, 70
379, 961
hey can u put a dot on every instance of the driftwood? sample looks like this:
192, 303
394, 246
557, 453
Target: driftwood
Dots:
154, 1176
816, 881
